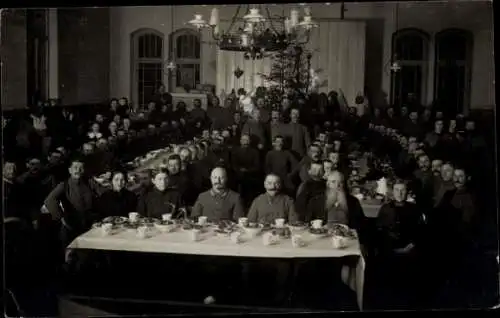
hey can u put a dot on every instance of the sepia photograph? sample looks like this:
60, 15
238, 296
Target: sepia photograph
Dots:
230, 159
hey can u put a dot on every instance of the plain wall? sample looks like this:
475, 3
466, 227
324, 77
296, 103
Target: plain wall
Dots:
13, 57
475, 16
84, 43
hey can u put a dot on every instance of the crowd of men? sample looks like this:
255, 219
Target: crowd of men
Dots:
290, 161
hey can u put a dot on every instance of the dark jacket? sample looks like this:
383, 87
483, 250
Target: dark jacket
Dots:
113, 203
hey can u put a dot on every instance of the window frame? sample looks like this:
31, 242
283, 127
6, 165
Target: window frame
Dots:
423, 64
172, 54
136, 60
467, 64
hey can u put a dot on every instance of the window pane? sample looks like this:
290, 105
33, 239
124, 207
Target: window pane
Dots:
150, 46
407, 82
159, 47
450, 90
179, 46
452, 46
149, 75
410, 47
197, 47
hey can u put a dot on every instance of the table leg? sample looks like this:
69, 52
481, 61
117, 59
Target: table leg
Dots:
292, 274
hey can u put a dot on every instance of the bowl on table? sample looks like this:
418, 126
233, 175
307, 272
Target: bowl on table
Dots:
318, 232
253, 229
165, 226
282, 232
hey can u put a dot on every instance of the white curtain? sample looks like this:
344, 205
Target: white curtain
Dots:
338, 53
228, 63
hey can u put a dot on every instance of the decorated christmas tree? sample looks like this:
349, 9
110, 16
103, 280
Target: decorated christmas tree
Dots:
290, 72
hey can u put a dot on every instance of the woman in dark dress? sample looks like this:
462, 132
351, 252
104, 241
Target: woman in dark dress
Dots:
395, 266
118, 201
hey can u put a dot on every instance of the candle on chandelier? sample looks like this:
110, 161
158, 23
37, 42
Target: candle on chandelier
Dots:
294, 18
288, 28
214, 17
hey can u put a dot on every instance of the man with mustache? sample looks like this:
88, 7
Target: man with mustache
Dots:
72, 202
218, 203
272, 204
301, 171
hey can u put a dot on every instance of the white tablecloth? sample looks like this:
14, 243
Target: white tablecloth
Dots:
179, 242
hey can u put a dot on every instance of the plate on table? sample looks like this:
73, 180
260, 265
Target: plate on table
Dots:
97, 225
319, 232
297, 226
283, 232
147, 221
266, 227
342, 230
131, 226
115, 220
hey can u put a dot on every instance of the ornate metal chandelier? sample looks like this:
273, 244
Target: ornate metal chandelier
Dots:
257, 34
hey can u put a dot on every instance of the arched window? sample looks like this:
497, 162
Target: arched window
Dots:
147, 64
452, 70
185, 52
410, 48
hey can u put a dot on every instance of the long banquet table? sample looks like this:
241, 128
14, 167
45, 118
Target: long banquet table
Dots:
179, 242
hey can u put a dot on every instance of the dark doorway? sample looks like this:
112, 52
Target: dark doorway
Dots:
36, 46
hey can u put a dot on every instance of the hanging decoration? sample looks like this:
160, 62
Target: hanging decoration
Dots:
238, 72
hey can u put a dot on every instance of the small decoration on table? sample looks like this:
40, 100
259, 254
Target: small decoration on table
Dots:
195, 235
143, 232
236, 237
270, 239
297, 241
106, 229
339, 242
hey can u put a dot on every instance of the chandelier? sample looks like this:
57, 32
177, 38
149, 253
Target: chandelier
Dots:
257, 34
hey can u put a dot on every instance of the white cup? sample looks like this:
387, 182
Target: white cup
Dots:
106, 229
194, 235
297, 241
133, 216
202, 220
279, 222
166, 216
142, 232
243, 222
317, 224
